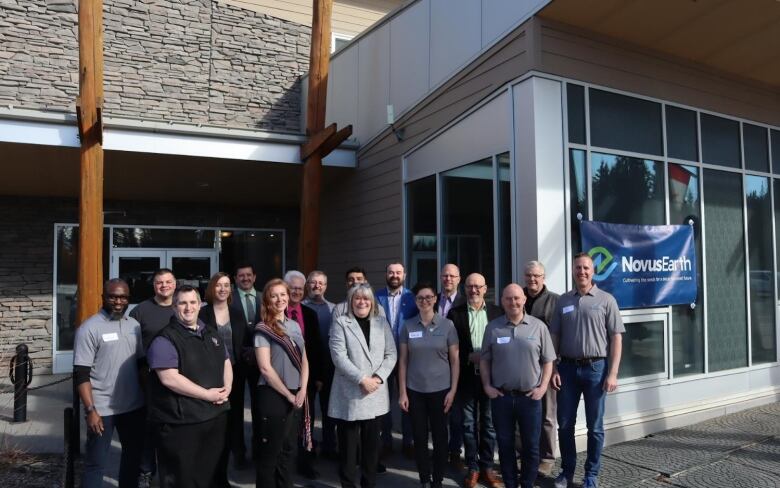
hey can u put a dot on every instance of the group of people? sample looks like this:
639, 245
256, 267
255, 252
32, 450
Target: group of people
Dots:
466, 374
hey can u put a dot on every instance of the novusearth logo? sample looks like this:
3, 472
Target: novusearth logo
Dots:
602, 262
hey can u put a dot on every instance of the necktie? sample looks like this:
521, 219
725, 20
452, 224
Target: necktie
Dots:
250, 309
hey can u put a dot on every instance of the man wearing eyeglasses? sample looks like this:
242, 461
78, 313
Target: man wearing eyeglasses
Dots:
449, 297
540, 303
470, 420
106, 360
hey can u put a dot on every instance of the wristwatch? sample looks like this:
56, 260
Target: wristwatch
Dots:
88, 410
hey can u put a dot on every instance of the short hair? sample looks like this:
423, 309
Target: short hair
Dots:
114, 281
315, 273
421, 285
362, 290
294, 273
161, 272
582, 255
399, 263
211, 289
245, 265
185, 289
534, 264
355, 269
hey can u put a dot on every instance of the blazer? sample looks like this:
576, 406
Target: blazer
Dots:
237, 326
238, 305
249, 362
460, 299
407, 309
459, 315
353, 360
314, 351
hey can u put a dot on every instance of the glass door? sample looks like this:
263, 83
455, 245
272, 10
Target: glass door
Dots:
193, 268
136, 267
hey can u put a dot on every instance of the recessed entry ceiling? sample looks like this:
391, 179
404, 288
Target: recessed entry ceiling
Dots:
50, 171
736, 37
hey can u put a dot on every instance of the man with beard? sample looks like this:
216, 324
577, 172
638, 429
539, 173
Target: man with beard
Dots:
398, 304
106, 361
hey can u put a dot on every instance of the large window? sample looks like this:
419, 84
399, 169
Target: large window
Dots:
627, 190
473, 227
761, 265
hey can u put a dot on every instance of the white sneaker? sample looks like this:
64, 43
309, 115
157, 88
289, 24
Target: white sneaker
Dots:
562, 481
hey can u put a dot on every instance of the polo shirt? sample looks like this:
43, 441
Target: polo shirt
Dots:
428, 363
585, 323
516, 352
280, 360
111, 349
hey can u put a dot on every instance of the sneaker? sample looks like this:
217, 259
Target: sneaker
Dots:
561, 481
589, 483
145, 480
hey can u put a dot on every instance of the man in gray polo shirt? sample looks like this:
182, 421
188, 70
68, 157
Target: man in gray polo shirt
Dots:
586, 329
515, 365
106, 359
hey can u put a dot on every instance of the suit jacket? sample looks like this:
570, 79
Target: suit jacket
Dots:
248, 356
237, 326
239, 305
460, 299
311, 337
407, 309
459, 315
354, 360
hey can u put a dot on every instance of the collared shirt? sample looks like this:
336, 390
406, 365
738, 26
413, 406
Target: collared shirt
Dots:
445, 303
516, 352
242, 294
478, 321
393, 307
585, 323
295, 313
111, 348
428, 363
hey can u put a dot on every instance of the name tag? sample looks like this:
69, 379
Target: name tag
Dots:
568, 309
110, 337
415, 335
503, 340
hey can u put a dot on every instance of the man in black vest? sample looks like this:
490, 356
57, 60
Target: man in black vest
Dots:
188, 395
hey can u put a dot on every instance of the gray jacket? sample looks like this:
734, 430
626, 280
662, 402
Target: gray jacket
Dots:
544, 306
353, 360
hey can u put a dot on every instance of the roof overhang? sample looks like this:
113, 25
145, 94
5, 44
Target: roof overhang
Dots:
740, 39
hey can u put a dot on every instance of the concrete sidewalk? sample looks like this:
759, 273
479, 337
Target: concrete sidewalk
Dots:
739, 450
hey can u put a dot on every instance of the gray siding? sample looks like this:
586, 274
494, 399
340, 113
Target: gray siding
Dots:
191, 61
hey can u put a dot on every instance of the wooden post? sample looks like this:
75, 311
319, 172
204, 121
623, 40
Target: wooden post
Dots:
89, 115
319, 57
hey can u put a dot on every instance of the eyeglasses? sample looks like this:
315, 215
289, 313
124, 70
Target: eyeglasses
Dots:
118, 298
475, 287
425, 298
449, 276
317, 283
534, 275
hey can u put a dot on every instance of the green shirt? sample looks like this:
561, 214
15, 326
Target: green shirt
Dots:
478, 321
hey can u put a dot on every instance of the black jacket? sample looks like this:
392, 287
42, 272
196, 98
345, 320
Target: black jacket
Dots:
313, 342
460, 299
543, 306
238, 328
460, 317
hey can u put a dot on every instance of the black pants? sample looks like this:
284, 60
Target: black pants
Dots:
358, 436
427, 413
277, 425
252, 377
234, 439
183, 454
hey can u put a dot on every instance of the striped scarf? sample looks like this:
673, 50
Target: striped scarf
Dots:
294, 353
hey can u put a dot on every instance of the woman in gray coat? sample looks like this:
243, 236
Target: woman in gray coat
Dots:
363, 351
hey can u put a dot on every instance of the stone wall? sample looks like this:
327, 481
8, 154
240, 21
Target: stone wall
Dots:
190, 61
27, 257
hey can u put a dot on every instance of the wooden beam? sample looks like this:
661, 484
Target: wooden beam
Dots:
316, 141
89, 114
334, 141
319, 57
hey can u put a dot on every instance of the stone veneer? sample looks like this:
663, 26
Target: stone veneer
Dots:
190, 61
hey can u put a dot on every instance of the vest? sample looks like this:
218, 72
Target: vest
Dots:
202, 361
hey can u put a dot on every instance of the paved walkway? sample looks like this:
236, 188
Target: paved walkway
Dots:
739, 450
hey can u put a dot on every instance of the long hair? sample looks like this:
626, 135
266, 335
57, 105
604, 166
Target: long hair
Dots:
266, 310
211, 289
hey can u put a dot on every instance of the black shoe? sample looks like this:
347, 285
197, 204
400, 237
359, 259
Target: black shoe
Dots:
436, 484
241, 463
381, 468
308, 471
425, 484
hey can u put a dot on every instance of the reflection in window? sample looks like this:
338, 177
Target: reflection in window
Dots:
627, 190
578, 196
643, 349
687, 322
421, 230
726, 300
467, 230
263, 249
163, 238
761, 265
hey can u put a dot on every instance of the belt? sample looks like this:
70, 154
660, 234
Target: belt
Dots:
513, 392
582, 361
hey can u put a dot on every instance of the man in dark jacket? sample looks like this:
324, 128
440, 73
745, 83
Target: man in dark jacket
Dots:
471, 411
541, 303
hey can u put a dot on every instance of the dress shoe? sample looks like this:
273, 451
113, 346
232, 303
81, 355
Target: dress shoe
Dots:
381, 468
308, 471
546, 467
471, 479
241, 463
489, 478
456, 462
408, 451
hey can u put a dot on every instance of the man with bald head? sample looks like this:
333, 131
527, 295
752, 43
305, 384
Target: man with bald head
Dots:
470, 419
449, 296
515, 367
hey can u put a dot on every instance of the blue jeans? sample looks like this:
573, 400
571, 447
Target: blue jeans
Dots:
130, 427
471, 421
588, 381
526, 413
